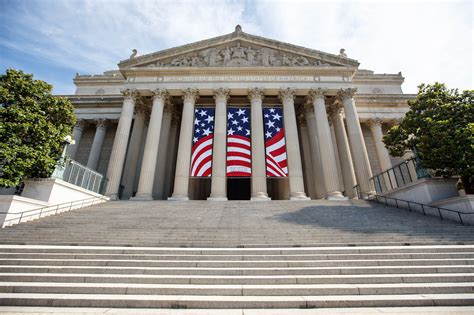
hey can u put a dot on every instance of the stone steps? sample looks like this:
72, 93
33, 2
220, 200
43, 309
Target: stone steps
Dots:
369, 276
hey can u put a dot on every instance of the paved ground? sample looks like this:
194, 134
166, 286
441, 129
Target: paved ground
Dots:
238, 223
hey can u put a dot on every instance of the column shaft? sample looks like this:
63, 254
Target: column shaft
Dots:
77, 135
218, 181
172, 156
259, 176
357, 143
119, 149
147, 173
94, 155
328, 157
295, 171
347, 167
131, 162
159, 182
320, 188
375, 125
307, 162
183, 160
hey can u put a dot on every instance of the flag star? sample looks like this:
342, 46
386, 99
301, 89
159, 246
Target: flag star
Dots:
241, 111
209, 119
266, 116
268, 134
203, 124
278, 129
207, 132
239, 128
272, 110
276, 116
235, 122
247, 132
230, 132
196, 121
203, 112
270, 124
245, 119
195, 139
230, 116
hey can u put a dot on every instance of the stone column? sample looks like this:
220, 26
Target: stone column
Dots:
131, 162
147, 173
347, 166
119, 149
219, 180
159, 181
295, 172
328, 157
172, 154
306, 152
77, 135
259, 173
375, 125
183, 161
94, 155
317, 167
356, 140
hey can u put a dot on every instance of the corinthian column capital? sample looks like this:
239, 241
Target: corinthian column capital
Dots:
346, 93
129, 93
286, 94
160, 94
335, 109
80, 124
375, 122
255, 93
190, 95
316, 93
221, 94
101, 123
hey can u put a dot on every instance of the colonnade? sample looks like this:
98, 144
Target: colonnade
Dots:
328, 136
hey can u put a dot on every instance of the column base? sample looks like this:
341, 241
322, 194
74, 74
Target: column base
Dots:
112, 197
142, 198
260, 196
299, 196
336, 195
178, 198
217, 198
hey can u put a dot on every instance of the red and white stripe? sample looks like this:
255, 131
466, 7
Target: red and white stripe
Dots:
239, 152
201, 157
275, 149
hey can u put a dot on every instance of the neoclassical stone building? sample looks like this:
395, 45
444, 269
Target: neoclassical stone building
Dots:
137, 124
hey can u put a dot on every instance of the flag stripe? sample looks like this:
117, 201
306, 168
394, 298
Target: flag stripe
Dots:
275, 144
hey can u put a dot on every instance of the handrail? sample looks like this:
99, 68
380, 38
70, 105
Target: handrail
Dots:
398, 176
409, 206
56, 208
77, 174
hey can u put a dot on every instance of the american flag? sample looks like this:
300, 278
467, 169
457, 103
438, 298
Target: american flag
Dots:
201, 153
275, 145
239, 148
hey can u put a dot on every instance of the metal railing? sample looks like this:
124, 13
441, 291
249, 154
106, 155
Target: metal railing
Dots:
79, 175
398, 176
465, 218
37, 213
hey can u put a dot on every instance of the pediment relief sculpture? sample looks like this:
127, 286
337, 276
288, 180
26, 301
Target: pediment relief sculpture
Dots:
238, 55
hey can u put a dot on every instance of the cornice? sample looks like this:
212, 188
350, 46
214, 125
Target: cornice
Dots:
243, 71
237, 35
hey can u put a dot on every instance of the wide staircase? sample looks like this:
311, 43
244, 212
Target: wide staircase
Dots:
241, 255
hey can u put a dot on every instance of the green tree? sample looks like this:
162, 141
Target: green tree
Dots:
440, 128
33, 126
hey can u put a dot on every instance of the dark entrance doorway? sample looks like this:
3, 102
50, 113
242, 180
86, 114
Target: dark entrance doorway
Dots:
238, 188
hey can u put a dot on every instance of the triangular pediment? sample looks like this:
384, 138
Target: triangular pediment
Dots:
237, 49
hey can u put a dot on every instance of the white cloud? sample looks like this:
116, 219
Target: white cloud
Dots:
428, 41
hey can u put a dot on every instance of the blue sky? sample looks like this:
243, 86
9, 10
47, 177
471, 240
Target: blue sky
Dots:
53, 39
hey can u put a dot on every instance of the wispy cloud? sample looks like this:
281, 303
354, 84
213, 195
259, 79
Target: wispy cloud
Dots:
427, 41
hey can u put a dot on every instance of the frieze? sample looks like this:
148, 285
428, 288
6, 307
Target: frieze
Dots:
236, 79
240, 56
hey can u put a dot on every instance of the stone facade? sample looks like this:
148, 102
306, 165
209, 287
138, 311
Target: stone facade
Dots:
148, 103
